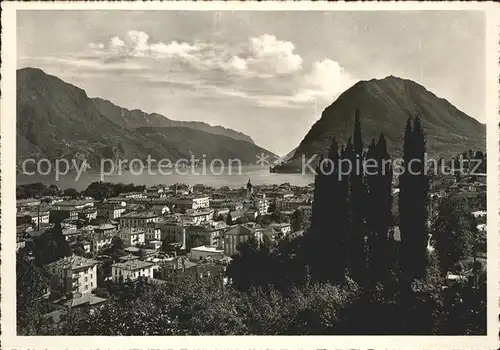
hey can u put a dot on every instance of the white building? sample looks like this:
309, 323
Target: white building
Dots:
160, 209
153, 232
283, 228
132, 236
137, 219
203, 252
41, 217
199, 216
111, 211
239, 234
73, 274
183, 203
131, 269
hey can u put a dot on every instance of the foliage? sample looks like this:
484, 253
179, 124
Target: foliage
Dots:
31, 285
229, 219
454, 232
195, 307
50, 246
100, 190
70, 192
297, 220
413, 200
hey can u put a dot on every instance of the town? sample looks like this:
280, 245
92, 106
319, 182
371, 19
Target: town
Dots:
165, 233
159, 233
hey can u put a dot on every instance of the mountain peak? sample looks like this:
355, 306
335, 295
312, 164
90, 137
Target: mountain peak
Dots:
385, 105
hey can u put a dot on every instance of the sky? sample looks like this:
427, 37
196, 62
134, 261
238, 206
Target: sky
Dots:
266, 74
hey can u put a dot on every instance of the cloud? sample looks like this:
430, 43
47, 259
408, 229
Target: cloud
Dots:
326, 80
262, 70
272, 56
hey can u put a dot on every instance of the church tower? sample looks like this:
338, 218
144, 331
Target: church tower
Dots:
249, 189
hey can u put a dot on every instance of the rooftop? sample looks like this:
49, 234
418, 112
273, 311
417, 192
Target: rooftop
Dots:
205, 248
106, 227
240, 230
139, 215
73, 262
132, 265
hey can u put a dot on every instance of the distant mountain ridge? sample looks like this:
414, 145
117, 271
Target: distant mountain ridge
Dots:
385, 105
56, 119
135, 118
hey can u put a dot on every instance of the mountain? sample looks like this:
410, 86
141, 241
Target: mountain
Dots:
56, 119
289, 155
136, 118
385, 106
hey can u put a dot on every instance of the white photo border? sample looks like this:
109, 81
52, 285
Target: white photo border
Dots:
9, 339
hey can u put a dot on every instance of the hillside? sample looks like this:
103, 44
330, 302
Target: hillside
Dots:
136, 118
385, 106
56, 119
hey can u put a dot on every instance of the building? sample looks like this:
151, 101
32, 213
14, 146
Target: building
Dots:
198, 216
173, 231
87, 246
38, 217
27, 204
154, 190
137, 219
131, 269
74, 204
106, 228
59, 214
111, 211
290, 204
153, 232
100, 241
88, 214
205, 234
133, 195
71, 233
156, 245
187, 202
261, 205
160, 209
239, 234
132, 236
73, 274
283, 228
219, 203
221, 212
204, 252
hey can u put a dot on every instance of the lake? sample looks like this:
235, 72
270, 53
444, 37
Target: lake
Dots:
230, 177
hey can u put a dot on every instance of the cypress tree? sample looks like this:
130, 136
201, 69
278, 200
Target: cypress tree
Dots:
358, 198
379, 182
327, 248
413, 184
421, 190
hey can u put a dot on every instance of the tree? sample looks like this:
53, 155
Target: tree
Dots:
329, 220
61, 244
413, 201
278, 216
70, 192
272, 207
453, 232
358, 198
379, 215
117, 247
297, 220
229, 219
31, 285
